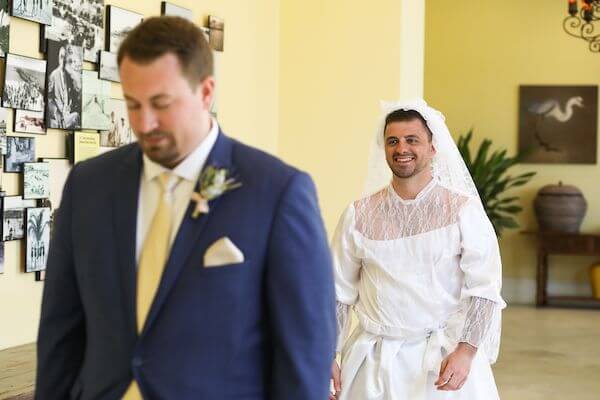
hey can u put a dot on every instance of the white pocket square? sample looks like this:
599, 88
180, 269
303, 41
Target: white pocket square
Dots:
222, 252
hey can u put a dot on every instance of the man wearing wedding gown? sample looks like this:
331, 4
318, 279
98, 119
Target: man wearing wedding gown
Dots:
418, 262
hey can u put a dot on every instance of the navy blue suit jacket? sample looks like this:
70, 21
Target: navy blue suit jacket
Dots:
263, 329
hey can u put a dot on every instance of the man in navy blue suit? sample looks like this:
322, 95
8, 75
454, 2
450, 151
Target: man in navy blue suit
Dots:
186, 265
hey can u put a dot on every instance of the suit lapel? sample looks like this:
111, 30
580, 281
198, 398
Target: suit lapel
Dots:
190, 230
125, 205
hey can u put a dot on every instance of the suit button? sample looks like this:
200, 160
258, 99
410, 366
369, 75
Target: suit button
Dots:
137, 362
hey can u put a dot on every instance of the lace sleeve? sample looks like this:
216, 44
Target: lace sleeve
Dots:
477, 321
342, 313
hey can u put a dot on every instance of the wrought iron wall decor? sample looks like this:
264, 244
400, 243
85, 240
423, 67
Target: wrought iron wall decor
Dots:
584, 22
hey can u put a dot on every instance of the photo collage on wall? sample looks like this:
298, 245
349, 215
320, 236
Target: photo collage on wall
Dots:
70, 87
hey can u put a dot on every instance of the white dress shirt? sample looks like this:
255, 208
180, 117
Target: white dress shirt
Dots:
179, 191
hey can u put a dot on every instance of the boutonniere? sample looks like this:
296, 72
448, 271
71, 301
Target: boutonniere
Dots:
213, 183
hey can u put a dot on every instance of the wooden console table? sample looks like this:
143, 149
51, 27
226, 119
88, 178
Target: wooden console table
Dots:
565, 244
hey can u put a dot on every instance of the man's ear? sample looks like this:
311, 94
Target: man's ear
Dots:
206, 91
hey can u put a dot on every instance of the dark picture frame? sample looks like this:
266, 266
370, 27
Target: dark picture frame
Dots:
63, 85
119, 22
37, 237
19, 150
24, 83
558, 124
32, 122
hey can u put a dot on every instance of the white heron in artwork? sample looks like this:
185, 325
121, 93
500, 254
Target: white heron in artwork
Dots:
551, 109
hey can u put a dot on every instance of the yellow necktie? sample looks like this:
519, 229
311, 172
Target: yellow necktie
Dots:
152, 264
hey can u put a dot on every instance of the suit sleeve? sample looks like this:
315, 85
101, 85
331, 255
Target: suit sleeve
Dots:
300, 296
61, 336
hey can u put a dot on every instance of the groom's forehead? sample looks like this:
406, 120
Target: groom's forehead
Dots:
412, 127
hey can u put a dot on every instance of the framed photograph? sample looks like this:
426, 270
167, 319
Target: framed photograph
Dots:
59, 169
119, 22
78, 23
38, 238
109, 69
13, 217
36, 180
63, 99
96, 93
167, 8
29, 122
4, 27
3, 118
19, 150
558, 124
119, 133
34, 10
24, 83
216, 28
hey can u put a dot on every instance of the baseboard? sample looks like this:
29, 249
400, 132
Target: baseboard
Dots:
522, 291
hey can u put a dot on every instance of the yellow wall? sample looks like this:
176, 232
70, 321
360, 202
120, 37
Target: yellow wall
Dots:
477, 54
337, 62
248, 110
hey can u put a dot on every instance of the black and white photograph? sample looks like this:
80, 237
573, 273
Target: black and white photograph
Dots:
34, 10
1, 257
24, 83
216, 26
558, 124
96, 94
77, 22
120, 132
13, 217
30, 122
4, 28
59, 169
19, 150
3, 122
38, 238
36, 180
167, 8
109, 69
119, 22
63, 102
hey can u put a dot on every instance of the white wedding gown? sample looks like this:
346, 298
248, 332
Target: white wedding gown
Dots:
421, 276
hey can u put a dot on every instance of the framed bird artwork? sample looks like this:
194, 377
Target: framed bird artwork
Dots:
558, 124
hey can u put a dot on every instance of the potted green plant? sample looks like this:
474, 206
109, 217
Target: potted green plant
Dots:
489, 172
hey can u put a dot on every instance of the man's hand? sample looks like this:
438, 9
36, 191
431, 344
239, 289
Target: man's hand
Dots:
455, 368
337, 380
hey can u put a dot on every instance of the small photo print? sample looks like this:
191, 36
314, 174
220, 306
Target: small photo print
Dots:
216, 28
96, 93
119, 133
3, 118
119, 22
19, 150
109, 70
34, 10
24, 83
38, 238
167, 8
63, 106
30, 122
13, 217
4, 27
80, 23
36, 180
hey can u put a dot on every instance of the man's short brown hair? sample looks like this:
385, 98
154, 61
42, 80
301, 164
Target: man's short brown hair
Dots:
157, 36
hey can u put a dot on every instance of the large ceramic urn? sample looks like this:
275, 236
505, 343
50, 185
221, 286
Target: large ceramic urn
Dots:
560, 208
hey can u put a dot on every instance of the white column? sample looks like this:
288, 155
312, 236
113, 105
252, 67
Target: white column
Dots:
412, 48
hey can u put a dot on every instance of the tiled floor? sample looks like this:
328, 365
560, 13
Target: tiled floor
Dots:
548, 354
